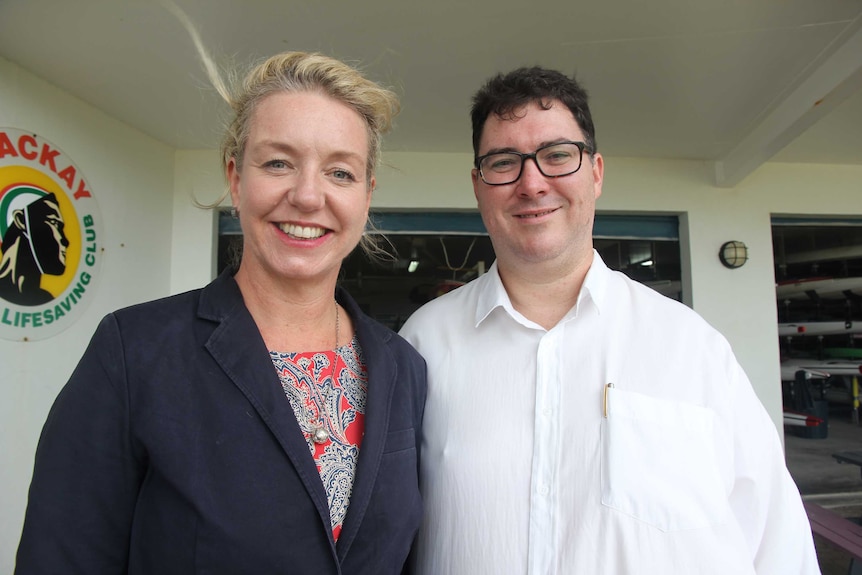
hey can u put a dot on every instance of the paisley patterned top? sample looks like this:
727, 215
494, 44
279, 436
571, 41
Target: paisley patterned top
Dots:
337, 404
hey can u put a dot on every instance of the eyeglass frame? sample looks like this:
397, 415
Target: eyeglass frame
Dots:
582, 147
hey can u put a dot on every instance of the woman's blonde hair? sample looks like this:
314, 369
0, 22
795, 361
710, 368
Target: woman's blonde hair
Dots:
308, 72
297, 72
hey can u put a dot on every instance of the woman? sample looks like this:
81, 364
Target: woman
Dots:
262, 424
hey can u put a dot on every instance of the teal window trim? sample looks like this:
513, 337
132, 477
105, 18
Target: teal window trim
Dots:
618, 226
815, 221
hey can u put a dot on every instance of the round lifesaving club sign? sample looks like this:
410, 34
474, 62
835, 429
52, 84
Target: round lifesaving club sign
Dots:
50, 229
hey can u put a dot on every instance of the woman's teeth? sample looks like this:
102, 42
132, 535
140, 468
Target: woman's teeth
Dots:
306, 233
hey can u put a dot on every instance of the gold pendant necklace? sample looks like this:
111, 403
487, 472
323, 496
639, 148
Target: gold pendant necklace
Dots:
319, 433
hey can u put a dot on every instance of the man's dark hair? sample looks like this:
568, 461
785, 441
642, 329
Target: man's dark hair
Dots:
505, 93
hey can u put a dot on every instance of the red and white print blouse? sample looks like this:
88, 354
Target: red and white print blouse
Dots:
328, 389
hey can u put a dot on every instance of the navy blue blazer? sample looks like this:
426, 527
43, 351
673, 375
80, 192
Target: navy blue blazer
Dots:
173, 450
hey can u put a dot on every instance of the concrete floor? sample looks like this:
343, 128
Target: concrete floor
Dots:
822, 479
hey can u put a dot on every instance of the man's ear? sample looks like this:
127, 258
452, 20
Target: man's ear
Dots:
598, 166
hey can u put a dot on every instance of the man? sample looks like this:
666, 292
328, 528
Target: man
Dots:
576, 421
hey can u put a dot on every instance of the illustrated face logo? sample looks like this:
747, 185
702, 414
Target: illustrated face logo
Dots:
49, 227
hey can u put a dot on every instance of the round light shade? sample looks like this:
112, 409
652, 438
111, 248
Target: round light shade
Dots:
733, 254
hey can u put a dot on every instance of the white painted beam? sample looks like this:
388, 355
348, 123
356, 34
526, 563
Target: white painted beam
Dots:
834, 76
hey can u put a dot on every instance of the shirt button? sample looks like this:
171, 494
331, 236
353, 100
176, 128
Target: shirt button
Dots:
547, 411
543, 490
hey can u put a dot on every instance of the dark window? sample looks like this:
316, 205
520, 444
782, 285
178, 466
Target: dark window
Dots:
433, 252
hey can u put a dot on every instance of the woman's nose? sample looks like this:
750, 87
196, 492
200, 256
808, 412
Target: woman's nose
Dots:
307, 192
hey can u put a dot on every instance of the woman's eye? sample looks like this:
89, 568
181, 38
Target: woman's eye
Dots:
343, 175
277, 164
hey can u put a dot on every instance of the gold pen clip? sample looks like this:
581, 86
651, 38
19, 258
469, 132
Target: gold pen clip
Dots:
607, 388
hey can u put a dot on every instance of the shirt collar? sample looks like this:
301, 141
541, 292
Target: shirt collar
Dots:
492, 294
595, 283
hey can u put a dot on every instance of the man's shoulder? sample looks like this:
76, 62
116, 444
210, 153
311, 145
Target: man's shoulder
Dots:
642, 293
449, 310
456, 300
650, 305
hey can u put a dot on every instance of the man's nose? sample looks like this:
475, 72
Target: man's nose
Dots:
532, 181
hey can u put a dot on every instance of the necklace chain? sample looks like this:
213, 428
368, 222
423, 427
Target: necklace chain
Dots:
319, 433
336, 328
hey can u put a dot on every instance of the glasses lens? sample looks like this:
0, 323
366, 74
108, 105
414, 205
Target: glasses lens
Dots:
559, 159
500, 168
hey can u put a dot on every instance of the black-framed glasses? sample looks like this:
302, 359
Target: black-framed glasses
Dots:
553, 161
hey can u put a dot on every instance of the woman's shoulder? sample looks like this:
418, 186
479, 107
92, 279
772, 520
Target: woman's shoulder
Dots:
211, 302
164, 307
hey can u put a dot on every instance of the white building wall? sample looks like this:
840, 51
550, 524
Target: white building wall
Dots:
197, 182
157, 242
131, 177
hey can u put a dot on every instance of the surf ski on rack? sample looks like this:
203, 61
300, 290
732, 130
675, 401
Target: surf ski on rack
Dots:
818, 287
819, 328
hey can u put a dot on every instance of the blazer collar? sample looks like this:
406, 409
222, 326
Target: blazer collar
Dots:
375, 341
238, 348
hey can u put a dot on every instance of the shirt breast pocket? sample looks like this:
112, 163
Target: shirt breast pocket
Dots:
659, 463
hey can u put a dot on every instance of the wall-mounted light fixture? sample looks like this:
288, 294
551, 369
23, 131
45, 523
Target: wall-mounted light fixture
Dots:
733, 254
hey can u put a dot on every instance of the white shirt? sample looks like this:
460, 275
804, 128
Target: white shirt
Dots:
521, 471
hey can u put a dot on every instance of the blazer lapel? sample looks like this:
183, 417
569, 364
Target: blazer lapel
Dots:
382, 373
237, 347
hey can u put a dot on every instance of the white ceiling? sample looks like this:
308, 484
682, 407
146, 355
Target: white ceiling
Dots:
733, 82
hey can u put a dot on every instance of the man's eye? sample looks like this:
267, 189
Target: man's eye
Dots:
558, 157
503, 164
277, 164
